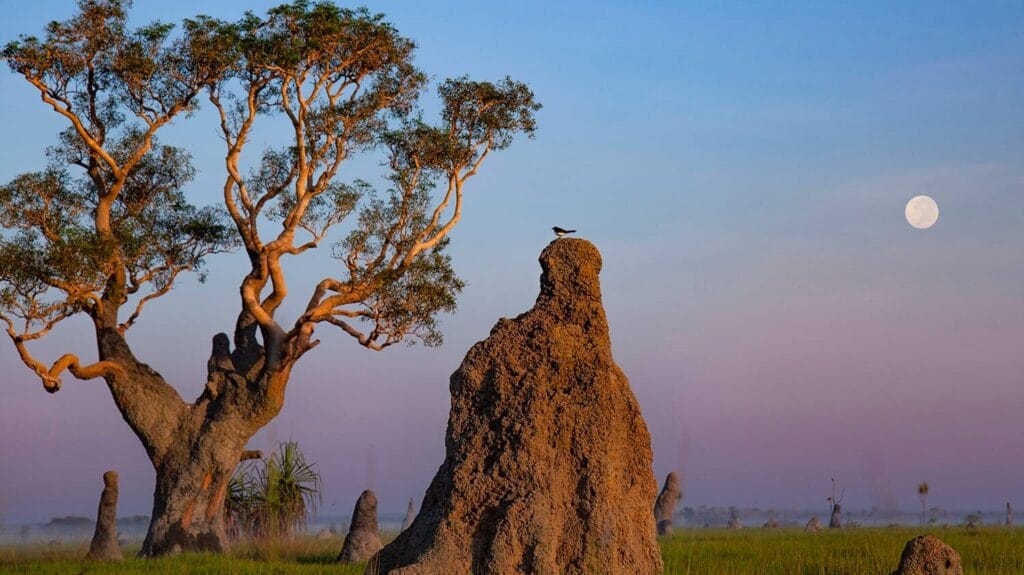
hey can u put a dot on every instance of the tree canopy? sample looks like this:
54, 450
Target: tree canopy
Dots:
106, 223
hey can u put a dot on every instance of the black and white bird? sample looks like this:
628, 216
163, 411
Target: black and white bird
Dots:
560, 232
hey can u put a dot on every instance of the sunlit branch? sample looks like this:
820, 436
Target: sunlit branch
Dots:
50, 97
363, 339
146, 299
51, 376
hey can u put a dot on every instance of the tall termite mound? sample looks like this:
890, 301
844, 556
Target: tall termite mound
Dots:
548, 460
104, 545
410, 515
665, 506
363, 539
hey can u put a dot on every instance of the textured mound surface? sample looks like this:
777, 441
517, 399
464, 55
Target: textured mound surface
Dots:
363, 539
104, 546
927, 555
665, 507
548, 460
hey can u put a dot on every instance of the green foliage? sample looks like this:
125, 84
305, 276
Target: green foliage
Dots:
407, 305
272, 498
345, 80
318, 48
478, 117
290, 490
155, 232
241, 504
108, 214
482, 110
108, 73
107, 220
403, 303
52, 241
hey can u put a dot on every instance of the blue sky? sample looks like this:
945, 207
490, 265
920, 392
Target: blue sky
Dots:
743, 167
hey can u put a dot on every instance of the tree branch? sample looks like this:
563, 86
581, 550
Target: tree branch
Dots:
367, 341
50, 376
55, 102
123, 327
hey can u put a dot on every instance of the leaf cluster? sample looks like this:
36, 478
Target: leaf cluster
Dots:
154, 232
273, 497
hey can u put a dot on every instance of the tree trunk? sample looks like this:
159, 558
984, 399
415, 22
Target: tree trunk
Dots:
836, 520
195, 447
192, 476
188, 502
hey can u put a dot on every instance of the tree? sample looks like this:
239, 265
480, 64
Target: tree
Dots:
922, 494
105, 229
835, 519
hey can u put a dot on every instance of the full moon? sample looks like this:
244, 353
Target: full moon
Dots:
922, 212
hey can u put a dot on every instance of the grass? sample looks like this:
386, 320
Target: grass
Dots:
302, 556
856, 551
876, 551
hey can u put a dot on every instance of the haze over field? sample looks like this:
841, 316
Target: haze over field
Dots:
744, 171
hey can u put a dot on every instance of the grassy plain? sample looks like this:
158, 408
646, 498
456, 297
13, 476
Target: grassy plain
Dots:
875, 551
868, 551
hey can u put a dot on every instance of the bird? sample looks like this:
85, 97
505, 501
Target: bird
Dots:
560, 232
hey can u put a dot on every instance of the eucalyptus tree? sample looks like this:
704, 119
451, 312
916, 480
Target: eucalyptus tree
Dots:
106, 228
922, 494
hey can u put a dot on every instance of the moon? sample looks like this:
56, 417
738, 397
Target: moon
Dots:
922, 212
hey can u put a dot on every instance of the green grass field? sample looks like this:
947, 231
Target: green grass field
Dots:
691, 552
852, 551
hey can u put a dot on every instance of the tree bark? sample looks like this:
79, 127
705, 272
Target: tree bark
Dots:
193, 475
188, 502
836, 519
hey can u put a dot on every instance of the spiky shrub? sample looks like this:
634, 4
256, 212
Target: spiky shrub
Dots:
241, 503
273, 498
289, 489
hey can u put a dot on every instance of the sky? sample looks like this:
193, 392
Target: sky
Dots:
743, 168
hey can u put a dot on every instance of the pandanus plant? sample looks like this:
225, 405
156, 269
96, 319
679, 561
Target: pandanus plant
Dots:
273, 498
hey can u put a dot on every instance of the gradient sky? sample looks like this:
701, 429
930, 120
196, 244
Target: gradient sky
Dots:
743, 168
